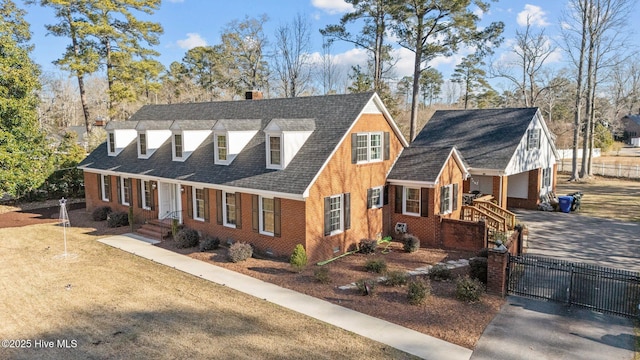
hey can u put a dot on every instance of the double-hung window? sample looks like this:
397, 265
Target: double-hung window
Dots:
533, 139
411, 201
368, 147
112, 143
275, 150
106, 187
177, 143
337, 217
445, 199
198, 204
267, 216
142, 140
229, 206
375, 197
221, 148
125, 185
146, 192
546, 177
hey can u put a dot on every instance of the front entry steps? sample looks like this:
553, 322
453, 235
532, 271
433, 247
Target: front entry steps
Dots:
156, 229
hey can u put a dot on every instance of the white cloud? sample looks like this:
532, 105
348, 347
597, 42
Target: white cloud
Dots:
332, 6
532, 14
192, 40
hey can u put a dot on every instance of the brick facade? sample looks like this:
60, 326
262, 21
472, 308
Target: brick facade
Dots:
341, 176
428, 228
463, 235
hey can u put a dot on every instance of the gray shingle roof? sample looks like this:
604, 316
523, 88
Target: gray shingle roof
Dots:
333, 116
420, 163
193, 124
487, 138
294, 124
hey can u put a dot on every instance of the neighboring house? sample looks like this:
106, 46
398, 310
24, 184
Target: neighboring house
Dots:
631, 127
273, 173
510, 153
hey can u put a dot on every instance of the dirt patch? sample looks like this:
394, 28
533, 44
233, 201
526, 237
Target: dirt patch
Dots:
441, 316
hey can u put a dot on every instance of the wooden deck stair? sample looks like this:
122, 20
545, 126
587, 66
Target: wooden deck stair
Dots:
155, 229
497, 218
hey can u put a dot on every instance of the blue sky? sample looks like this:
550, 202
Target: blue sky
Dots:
189, 23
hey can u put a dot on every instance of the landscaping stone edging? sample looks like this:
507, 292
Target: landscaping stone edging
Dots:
451, 264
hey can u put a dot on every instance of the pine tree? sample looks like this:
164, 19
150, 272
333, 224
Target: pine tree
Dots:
24, 156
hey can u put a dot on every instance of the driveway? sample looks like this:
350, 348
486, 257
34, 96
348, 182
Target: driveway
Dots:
534, 329
580, 238
527, 329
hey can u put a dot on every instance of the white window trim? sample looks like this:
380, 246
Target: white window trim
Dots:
194, 203
103, 193
111, 149
216, 155
146, 146
449, 210
123, 182
173, 147
143, 188
224, 210
370, 148
261, 216
404, 201
381, 198
546, 178
340, 230
268, 146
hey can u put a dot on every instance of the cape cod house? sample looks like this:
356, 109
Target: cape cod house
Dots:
270, 172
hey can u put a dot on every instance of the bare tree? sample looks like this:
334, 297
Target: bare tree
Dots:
592, 38
532, 50
292, 56
330, 72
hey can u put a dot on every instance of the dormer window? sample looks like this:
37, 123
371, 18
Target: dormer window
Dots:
274, 156
112, 143
177, 146
221, 148
142, 144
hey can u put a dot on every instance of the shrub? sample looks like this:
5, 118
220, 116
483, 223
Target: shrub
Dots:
321, 275
100, 213
378, 266
239, 251
366, 286
440, 272
368, 246
210, 243
411, 243
478, 269
396, 278
298, 258
117, 219
418, 291
187, 238
468, 289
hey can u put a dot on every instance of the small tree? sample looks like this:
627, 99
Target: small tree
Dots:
298, 259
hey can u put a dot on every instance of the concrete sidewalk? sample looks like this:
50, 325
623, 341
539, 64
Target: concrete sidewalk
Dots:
410, 341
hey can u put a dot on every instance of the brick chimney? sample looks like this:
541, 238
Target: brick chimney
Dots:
253, 95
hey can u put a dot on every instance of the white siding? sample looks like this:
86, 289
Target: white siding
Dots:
155, 139
122, 138
524, 160
191, 139
484, 184
293, 141
371, 108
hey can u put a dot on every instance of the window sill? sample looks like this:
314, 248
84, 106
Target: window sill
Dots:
266, 233
232, 226
411, 214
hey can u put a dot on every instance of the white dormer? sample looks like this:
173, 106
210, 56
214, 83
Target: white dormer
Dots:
119, 135
151, 135
284, 138
187, 136
230, 136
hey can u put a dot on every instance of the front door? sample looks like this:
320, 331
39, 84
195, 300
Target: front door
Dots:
169, 199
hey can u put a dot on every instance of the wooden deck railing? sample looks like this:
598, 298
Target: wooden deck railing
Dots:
473, 213
510, 218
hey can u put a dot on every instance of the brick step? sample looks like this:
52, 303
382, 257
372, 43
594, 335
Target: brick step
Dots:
155, 229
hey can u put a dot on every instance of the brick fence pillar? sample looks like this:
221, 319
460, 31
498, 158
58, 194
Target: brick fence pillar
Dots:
497, 272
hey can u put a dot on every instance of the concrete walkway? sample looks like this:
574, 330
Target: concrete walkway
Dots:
410, 341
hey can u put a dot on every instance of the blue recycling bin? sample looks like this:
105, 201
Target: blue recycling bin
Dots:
565, 203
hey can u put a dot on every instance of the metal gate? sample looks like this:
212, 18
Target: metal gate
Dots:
594, 287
